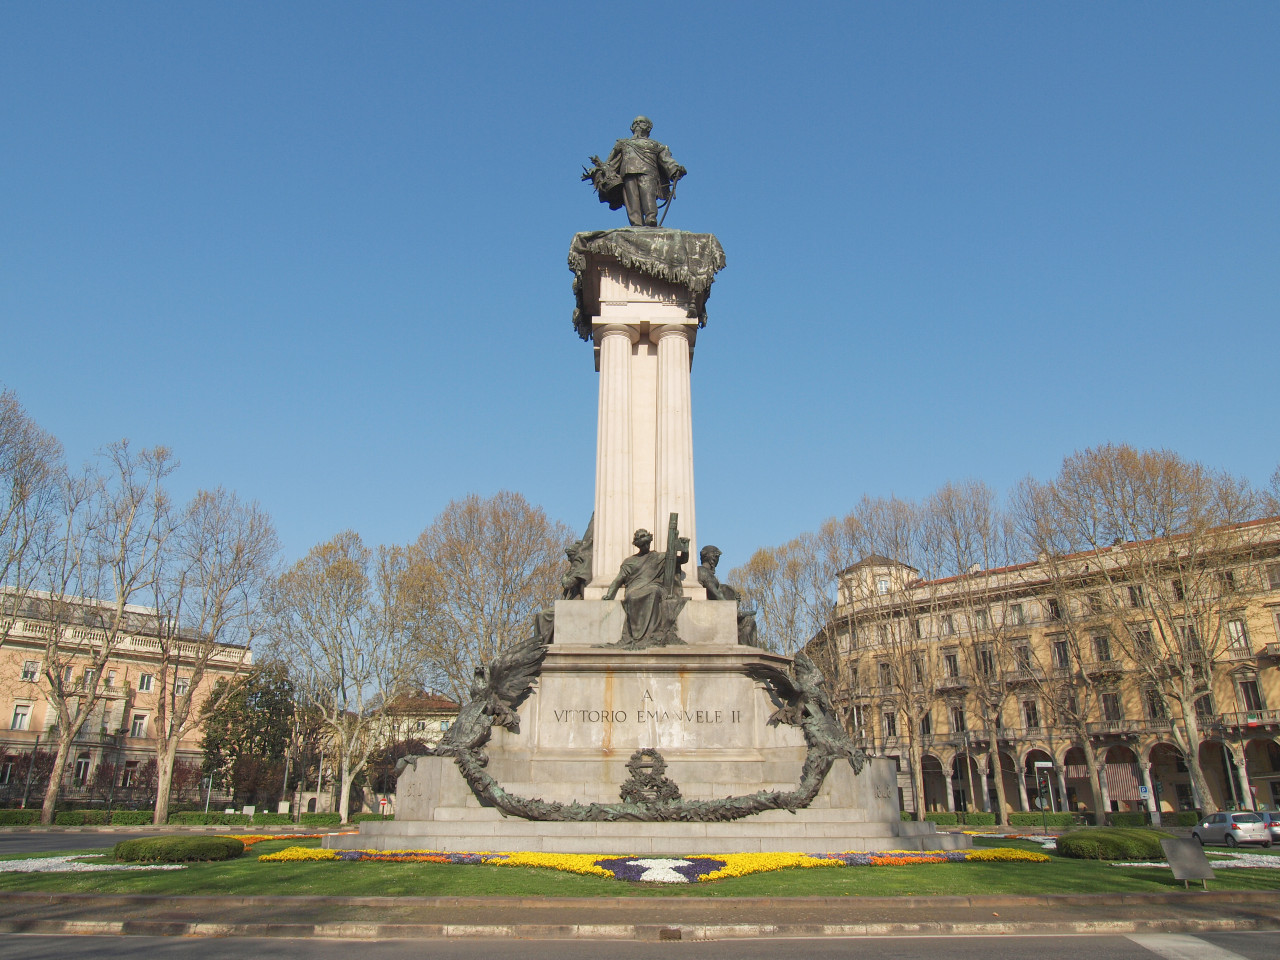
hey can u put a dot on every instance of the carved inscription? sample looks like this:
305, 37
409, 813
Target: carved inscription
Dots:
647, 712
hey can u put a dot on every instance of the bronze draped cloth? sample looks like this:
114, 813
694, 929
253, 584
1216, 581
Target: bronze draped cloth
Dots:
689, 259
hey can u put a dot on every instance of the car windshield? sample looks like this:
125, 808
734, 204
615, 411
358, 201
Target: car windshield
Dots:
1247, 818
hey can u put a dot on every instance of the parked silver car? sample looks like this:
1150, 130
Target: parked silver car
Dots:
1232, 829
1272, 819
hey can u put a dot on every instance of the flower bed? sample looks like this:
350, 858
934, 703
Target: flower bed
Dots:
249, 839
692, 869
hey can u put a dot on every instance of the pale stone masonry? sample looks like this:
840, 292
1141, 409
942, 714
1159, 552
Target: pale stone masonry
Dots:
1018, 632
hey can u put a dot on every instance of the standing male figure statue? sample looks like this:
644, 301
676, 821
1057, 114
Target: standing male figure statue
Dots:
638, 173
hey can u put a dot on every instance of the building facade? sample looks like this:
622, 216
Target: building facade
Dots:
1143, 652
113, 757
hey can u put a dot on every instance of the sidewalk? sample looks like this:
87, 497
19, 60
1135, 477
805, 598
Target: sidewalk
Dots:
635, 918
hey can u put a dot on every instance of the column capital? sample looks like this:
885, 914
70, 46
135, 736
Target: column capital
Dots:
659, 331
601, 330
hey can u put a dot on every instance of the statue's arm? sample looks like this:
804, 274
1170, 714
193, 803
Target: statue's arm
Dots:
669, 166
618, 581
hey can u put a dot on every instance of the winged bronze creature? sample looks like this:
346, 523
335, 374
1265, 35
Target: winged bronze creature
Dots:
804, 703
497, 690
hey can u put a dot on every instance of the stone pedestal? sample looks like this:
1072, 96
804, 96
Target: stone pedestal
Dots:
696, 705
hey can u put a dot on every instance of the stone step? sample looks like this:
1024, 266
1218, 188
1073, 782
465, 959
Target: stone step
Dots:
544, 828
620, 841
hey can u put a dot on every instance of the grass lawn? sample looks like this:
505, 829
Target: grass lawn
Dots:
247, 876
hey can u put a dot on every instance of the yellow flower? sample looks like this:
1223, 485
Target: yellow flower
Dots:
289, 854
741, 864
583, 863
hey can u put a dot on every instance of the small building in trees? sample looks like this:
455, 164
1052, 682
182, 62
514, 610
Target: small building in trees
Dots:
113, 758
1156, 664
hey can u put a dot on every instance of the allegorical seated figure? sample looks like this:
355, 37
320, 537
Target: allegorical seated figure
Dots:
710, 557
648, 623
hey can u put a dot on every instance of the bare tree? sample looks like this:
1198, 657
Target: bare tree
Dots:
208, 603
792, 587
968, 535
479, 573
1162, 537
343, 625
30, 483
116, 525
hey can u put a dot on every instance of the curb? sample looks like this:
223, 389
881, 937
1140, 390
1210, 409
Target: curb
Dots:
644, 932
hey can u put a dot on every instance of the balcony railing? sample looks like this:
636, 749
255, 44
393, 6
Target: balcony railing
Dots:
1251, 718
89, 738
1127, 728
958, 682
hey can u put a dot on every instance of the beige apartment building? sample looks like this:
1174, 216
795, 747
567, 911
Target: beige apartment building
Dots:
1033, 658
113, 756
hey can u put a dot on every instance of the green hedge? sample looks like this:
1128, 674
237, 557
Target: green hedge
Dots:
263, 819
81, 818
321, 819
1128, 819
1183, 818
178, 849
361, 817
1048, 819
132, 818
976, 819
943, 819
199, 818
1113, 843
18, 818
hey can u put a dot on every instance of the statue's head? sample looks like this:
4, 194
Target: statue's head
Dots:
709, 555
642, 537
642, 126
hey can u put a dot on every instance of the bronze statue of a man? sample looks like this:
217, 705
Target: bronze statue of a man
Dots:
638, 173
710, 557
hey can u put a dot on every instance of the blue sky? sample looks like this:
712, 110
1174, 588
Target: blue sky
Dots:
319, 248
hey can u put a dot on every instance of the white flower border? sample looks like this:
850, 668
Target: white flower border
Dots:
73, 865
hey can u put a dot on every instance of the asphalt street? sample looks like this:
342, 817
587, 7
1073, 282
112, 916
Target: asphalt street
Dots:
1224, 946
56, 842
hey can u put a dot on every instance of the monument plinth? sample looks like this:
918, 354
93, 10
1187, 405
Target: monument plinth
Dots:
639, 717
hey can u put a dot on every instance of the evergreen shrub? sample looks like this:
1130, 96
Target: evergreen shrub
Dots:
132, 818
200, 818
1113, 843
361, 817
178, 849
943, 819
264, 819
1128, 819
80, 818
321, 819
976, 819
1048, 819
18, 818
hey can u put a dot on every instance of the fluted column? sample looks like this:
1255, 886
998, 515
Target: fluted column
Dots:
674, 462
613, 529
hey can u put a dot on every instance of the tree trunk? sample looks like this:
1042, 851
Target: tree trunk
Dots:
1190, 747
55, 775
993, 761
344, 802
917, 777
1100, 813
165, 758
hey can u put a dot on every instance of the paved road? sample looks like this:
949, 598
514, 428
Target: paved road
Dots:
55, 842
1224, 946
